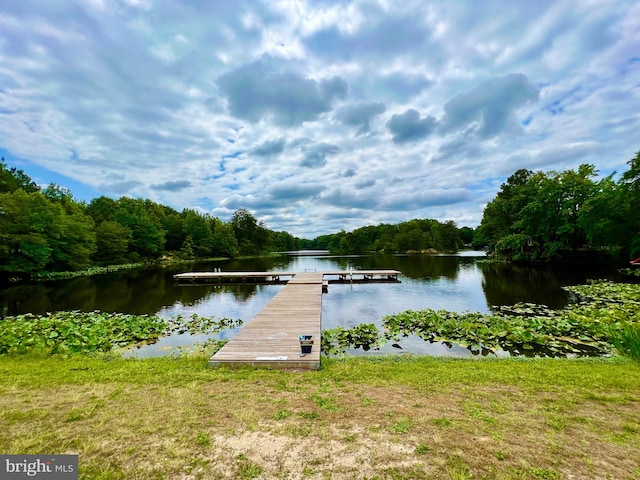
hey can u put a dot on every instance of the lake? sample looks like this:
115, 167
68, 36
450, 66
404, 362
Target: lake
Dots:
462, 282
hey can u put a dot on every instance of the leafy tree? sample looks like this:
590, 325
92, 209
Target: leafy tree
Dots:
147, 238
449, 237
538, 215
37, 234
173, 226
73, 241
112, 243
58, 194
197, 227
186, 251
224, 242
630, 186
466, 235
25, 219
12, 179
102, 209
501, 214
284, 242
252, 236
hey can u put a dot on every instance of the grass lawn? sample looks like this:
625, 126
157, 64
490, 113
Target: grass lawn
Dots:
386, 418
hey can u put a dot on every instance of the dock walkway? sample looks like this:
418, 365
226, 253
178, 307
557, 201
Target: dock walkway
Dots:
338, 276
271, 338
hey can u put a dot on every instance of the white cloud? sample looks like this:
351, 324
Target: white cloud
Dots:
321, 115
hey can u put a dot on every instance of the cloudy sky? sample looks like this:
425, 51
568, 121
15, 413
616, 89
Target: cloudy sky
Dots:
316, 115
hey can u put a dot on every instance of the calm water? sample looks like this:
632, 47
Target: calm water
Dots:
461, 282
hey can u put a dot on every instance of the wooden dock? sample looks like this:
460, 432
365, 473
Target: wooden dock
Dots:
271, 338
337, 276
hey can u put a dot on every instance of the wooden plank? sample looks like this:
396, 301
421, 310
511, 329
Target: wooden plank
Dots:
271, 338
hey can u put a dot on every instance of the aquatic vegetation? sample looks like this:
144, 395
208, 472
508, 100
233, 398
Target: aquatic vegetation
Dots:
86, 272
74, 332
336, 341
606, 292
604, 317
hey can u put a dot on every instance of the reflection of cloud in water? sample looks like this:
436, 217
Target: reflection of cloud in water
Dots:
348, 305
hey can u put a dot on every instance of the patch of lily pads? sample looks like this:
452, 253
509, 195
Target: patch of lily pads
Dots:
604, 318
86, 332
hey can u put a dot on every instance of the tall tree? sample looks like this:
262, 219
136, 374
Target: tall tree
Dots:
37, 235
224, 241
252, 236
198, 228
12, 179
102, 209
630, 185
503, 212
147, 238
112, 243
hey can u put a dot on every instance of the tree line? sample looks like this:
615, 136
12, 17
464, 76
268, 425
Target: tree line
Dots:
47, 230
540, 216
416, 235
536, 216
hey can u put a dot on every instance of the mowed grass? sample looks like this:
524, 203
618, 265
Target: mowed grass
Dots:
357, 418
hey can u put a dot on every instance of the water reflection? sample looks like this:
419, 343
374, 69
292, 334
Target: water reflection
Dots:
455, 283
506, 284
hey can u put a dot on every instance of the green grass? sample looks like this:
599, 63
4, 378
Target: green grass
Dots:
379, 417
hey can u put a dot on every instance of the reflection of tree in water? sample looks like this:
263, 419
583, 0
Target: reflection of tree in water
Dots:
23, 298
506, 284
149, 290
428, 267
144, 291
241, 293
262, 264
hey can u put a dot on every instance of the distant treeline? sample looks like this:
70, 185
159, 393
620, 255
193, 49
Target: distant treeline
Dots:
412, 236
538, 216
46, 230
535, 216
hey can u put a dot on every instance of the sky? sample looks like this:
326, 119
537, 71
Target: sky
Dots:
320, 115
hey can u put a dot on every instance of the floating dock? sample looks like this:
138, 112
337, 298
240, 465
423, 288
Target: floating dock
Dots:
337, 276
272, 338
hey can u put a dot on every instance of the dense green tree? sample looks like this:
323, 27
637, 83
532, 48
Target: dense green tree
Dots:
449, 237
186, 251
112, 243
284, 242
36, 235
102, 209
58, 194
12, 179
630, 191
501, 214
73, 241
252, 236
416, 235
224, 241
24, 225
466, 235
537, 216
197, 227
147, 237
173, 226
550, 216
